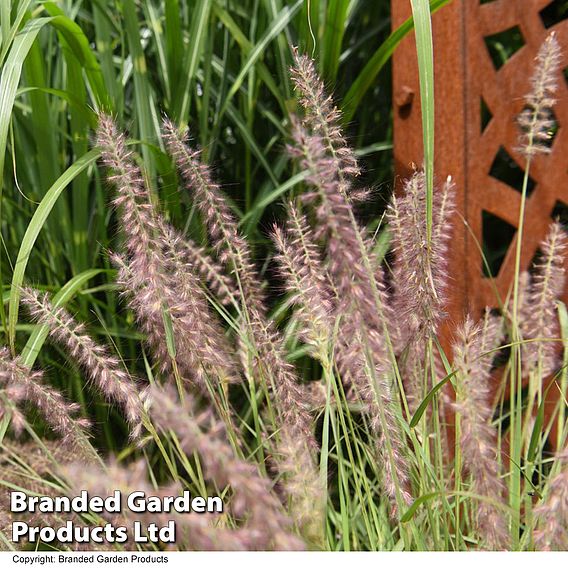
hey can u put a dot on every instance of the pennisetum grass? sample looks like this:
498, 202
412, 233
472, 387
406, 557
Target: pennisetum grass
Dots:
228, 406
535, 122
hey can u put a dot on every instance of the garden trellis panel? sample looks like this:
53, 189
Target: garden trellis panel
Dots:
484, 56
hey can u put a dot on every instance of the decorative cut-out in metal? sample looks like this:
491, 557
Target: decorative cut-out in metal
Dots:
484, 56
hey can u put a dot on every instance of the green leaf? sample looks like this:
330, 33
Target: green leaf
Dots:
425, 53
169, 329
264, 200
279, 23
10, 79
4, 424
147, 123
420, 501
247, 46
78, 45
9, 38
424, 404
38, 220
333, 38
537, 427
199, 24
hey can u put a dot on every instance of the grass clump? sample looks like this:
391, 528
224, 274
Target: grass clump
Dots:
310, 391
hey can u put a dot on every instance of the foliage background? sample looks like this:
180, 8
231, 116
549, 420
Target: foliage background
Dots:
219, 66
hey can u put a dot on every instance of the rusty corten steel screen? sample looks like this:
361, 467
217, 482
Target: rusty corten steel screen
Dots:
484, 55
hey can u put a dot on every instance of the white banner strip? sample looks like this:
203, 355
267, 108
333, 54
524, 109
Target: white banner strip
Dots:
283, 559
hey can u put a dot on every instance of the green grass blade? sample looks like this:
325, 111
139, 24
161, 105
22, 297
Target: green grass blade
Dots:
247, 46
425, 52
5, 21
174, 45
414, 507
377, 61
7, 42
258, 207
563, 319
276, 27
428, 398
78, 45
148, 127
333, 38
38, 220
537, 429
199, 25
10, 79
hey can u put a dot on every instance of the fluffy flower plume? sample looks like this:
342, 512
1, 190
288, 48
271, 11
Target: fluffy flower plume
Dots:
132, 199
301, 266
232, 249
295, 450
537, 119
19, 384
472, 359
295, 435
201, 433
193, 532
162, 286
538, 314
361, 349
145, 263
31, 467
420, 277
551, 515
323, 118
196, 259
420, 285
104, 370
201, 335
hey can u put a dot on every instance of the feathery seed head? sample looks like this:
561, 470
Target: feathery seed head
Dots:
322, 117
104, 371
538, 315
200, 432
230, 246
420, 278
551, 514
472, 359
300, 263
19, 384
537, 119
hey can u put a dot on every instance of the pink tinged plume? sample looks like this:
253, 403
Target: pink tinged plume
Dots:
472, 359
537, 120
19, 384
104, 371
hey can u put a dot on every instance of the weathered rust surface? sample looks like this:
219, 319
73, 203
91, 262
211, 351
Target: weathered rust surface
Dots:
464, 75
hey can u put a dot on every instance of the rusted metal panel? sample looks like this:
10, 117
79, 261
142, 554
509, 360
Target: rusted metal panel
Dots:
464, 76
468, 148
450, 125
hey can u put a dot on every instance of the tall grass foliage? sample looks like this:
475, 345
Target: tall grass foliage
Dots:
330, 418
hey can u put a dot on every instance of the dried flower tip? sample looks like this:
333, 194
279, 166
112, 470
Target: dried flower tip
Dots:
537, 120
